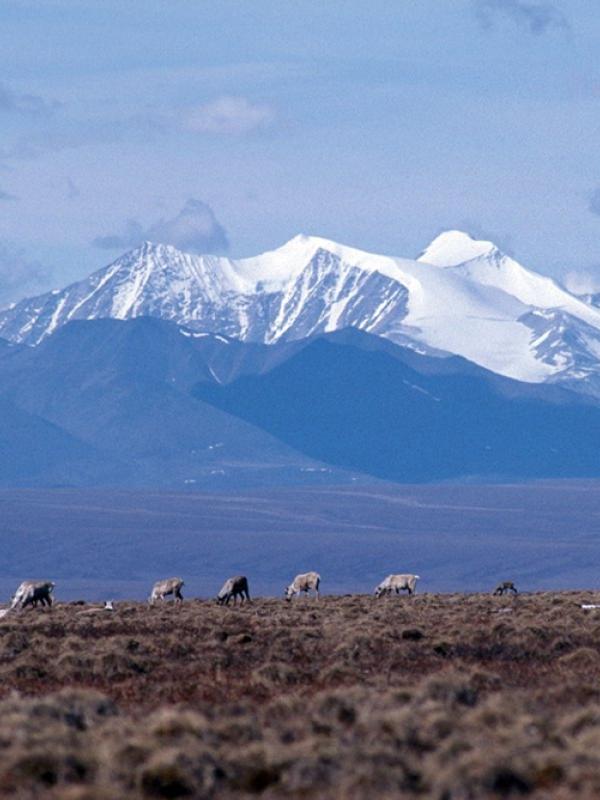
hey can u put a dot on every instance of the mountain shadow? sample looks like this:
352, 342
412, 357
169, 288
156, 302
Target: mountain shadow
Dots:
357, 403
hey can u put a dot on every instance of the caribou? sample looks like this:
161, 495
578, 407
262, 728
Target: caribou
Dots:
30, 593
505, 587
306, 582
234, 588
170, 586
397, 583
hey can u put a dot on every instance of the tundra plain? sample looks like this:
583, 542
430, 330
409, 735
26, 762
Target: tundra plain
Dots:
101, 544
452, 694
441, 696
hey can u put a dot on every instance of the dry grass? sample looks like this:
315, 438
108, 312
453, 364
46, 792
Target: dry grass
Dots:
439, 696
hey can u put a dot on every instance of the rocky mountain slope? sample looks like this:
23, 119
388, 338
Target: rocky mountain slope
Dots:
145, 402
461, 297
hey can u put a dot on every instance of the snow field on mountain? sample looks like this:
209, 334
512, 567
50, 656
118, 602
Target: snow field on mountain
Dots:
461, 297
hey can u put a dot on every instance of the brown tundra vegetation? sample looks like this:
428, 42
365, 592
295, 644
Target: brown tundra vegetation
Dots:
451, 697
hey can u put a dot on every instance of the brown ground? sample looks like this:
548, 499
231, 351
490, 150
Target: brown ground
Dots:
439, 696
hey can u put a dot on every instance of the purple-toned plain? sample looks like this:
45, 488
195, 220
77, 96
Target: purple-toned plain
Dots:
101, 544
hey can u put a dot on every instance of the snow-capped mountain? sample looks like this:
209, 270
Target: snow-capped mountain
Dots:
461, 296
564, 327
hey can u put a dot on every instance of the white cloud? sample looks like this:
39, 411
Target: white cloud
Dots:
195, 228
582, 281
228, 115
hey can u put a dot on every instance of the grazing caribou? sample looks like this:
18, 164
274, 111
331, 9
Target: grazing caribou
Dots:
505, 587
170, 586
397, 583
30, 593
305, 582
234, 587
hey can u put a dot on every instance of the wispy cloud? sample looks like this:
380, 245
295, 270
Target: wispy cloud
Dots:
20, 275
537, 17
594, 202
224, 116
25, 104
195, 228
228, 115
73, 191
585, 281
67, 134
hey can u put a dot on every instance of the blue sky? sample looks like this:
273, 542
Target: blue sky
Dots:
232, 126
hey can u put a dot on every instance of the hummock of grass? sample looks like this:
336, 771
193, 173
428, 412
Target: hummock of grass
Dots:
436, 696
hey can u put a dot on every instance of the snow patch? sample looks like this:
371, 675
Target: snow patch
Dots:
454, 247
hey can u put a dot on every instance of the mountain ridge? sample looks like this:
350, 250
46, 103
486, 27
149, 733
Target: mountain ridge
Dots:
147, 403
109, 403
472, 301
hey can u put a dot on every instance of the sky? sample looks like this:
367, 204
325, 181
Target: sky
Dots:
228, 126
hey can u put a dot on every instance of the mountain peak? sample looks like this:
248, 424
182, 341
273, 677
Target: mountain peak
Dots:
455, 247
149, 248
